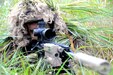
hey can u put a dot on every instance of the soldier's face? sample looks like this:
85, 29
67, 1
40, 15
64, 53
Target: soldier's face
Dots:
32, 26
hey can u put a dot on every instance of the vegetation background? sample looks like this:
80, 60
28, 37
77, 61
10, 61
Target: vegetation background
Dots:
90, 20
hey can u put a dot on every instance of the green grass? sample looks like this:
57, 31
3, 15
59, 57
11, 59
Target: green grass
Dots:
89, 19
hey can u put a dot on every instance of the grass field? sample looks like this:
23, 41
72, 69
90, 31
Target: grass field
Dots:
92, 19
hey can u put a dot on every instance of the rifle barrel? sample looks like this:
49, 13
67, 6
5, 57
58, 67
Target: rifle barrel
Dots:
97, 64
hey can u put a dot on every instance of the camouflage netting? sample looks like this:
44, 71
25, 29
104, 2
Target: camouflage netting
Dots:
27, 10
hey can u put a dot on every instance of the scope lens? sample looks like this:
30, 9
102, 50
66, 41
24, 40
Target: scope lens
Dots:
49, 34
43, 33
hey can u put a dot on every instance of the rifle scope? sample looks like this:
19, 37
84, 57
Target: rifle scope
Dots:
44, 33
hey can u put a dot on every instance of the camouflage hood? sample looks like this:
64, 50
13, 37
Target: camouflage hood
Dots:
28, 10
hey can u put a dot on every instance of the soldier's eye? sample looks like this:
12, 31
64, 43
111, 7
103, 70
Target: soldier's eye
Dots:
31, 30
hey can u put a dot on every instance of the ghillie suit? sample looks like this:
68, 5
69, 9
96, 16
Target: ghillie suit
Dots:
28, 11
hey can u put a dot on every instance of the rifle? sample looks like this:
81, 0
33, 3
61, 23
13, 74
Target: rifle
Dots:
56, 54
